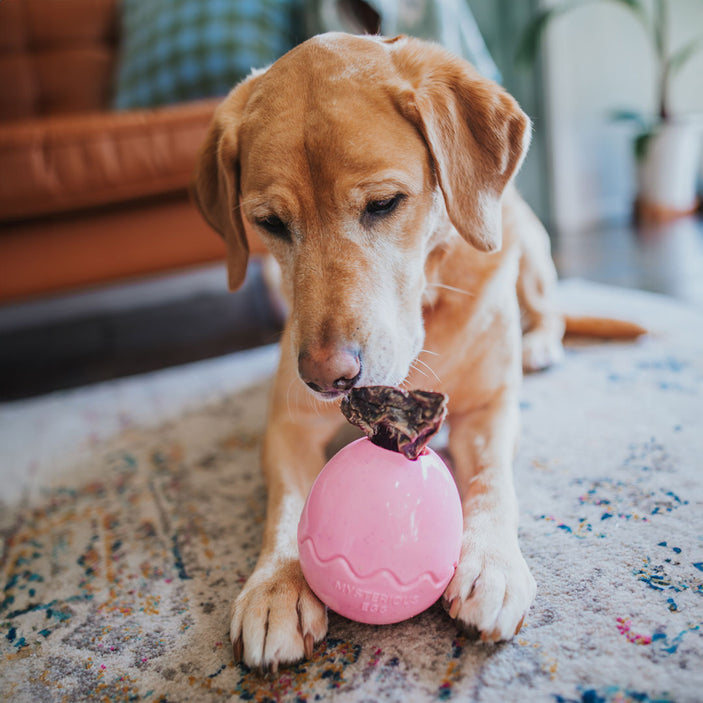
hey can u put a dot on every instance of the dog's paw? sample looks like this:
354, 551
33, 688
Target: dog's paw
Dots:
276, 619
492, 589
540, 350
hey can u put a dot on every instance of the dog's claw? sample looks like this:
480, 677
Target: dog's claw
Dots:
237, 649
493, 636
519, 625
308, 644
276, 619
454, 608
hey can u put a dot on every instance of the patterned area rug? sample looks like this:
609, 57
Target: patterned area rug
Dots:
120, 555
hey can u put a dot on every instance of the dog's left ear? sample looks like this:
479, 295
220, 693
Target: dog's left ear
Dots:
215, 187
476, 133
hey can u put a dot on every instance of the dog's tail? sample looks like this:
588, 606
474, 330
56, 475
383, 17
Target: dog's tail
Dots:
602, 327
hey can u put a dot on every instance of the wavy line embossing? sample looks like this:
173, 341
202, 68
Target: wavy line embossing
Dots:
436, 581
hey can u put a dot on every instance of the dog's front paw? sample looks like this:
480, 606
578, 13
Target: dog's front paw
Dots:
492, 588
276, 619
541, 348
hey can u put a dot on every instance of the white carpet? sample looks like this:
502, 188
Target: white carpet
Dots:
131, 512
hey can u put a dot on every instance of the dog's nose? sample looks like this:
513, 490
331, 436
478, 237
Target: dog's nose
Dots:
330, 370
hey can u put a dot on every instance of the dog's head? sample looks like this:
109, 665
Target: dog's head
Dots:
346, 156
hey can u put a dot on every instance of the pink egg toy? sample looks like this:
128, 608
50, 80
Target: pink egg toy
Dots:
380, 534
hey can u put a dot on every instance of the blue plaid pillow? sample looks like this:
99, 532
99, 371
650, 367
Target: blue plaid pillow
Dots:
178, 50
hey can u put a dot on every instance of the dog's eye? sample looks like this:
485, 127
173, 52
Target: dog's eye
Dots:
274, 225
378, 208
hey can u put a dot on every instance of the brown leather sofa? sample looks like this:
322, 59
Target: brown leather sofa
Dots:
88, 195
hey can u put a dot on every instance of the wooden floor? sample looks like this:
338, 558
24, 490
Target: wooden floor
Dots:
90, 338
77, 348
664, 259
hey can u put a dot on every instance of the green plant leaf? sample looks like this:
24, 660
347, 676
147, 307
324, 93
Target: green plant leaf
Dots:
642, 144
631, 116
679, 58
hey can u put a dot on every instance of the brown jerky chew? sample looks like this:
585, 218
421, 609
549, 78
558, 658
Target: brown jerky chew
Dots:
402, 421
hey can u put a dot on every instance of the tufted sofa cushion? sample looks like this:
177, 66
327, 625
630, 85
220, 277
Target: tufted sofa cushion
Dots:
77, 161
56, 56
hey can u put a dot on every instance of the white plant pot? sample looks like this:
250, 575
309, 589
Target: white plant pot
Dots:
668, 170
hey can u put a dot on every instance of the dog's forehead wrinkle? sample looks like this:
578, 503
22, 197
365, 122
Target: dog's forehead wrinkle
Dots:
307, 146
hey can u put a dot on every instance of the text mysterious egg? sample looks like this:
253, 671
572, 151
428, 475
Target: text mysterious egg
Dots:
380, 534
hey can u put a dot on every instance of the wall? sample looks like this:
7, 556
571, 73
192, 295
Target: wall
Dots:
597, 59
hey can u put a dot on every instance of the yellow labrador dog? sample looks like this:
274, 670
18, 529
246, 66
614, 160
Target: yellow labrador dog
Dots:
378, 172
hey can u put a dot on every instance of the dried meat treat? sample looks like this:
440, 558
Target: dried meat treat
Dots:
402, 421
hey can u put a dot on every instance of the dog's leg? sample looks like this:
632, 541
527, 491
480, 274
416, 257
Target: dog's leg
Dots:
492, 587
543, 324
277, 619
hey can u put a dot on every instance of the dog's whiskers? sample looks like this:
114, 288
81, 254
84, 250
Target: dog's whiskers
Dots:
290, 385
314, 403
415, 367
453, 289
309, 400
241, 204
429, 368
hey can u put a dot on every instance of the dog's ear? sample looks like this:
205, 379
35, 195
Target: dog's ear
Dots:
215, 187
476, 133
